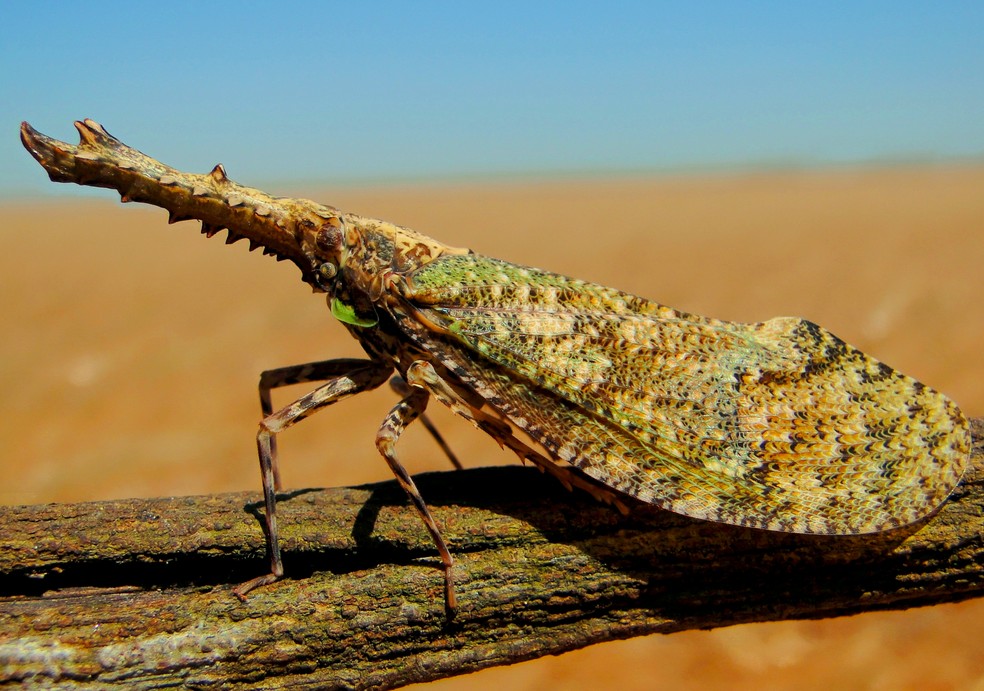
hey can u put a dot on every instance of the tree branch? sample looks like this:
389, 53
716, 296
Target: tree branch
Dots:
139, 591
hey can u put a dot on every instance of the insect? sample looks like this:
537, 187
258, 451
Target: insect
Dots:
777, 425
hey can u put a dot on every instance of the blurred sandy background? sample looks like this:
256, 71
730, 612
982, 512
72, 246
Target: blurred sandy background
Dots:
131, 351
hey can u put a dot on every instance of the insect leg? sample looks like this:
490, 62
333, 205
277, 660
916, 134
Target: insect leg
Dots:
401, 387
404, 413
299, 374
422, 374
344, 378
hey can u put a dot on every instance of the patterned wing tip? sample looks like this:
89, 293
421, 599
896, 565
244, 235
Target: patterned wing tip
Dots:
849, 444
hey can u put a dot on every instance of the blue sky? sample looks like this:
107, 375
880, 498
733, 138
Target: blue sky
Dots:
356, 92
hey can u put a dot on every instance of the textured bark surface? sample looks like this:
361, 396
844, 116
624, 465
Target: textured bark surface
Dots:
138, 592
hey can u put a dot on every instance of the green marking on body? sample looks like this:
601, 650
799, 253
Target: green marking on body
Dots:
346, 314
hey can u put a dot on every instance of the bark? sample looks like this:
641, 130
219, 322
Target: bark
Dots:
138, 592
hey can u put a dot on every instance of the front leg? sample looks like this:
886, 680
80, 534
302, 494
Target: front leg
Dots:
300, 374
344, 378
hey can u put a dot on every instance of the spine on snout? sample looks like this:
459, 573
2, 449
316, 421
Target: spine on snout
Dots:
101, 160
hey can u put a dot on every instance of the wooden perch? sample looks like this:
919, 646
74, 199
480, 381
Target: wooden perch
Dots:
138, 592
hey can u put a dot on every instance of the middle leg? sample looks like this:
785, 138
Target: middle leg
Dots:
398, 419
422, 374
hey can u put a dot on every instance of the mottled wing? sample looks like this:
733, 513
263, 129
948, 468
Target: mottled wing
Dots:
778, 425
